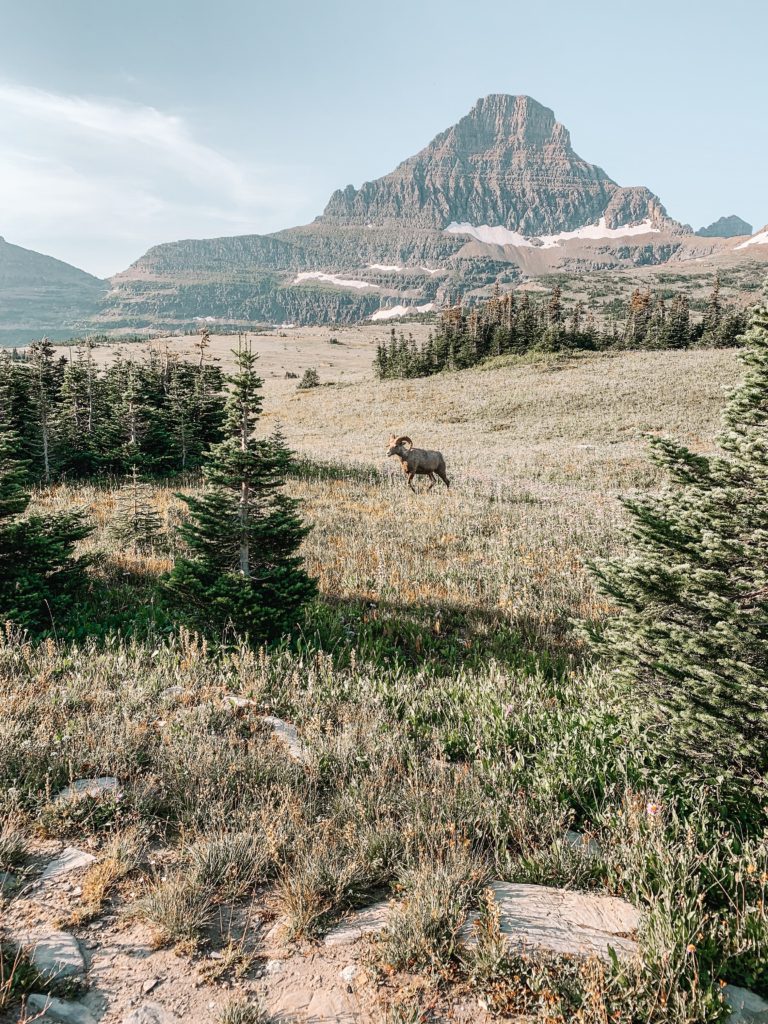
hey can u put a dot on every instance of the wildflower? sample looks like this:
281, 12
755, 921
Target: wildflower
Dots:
652, 809
751, 869
690, 948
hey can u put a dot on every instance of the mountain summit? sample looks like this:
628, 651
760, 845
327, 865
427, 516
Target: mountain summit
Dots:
507, 163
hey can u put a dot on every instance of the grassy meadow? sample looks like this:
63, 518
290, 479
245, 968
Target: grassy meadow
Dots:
454, 728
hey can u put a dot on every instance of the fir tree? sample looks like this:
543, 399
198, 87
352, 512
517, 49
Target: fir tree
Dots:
243, 534
692, 635
39, 573
137, 524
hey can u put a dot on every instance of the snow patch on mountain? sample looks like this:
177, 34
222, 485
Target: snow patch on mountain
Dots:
340, 282
503, 236
761, 238
600, 230
490, 235
397, 311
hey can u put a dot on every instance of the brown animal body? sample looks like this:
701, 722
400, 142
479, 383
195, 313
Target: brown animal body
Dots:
418, 461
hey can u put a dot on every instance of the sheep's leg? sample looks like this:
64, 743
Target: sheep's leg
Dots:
410, 483
443, 476
432, 481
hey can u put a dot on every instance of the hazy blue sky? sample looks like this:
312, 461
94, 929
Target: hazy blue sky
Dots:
124, 124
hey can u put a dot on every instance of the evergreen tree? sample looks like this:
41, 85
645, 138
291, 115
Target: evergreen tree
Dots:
39, 574
692, 635
137, 524
243, 534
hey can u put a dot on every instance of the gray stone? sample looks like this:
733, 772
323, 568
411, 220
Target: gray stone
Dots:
349, 973
149, 984
70, 860
150, 1013
61, 1011
575, 923
94, 788
274, 966
746, 1007
57, 955
584, 844
364, 922
288, 735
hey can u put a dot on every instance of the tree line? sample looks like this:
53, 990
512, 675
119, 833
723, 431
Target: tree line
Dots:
75, 421
237, 564
520, 322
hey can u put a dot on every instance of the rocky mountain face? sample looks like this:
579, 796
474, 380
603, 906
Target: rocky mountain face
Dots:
726, 227
42, 295
499, 197
508, 162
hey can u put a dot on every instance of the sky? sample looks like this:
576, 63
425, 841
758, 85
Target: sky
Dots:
123, 125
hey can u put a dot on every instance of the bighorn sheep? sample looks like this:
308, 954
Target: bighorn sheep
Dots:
418, 461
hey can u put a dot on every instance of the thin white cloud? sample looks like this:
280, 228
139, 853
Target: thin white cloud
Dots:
80, 168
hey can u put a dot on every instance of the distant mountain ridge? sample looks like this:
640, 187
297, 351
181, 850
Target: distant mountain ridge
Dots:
726, 227
42, 295
499, 197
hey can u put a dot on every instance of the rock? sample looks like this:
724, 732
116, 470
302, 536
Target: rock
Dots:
562, 921
364, 922
349, 973
150, 1013
57, 955
71, 859
288, 735
149, 984
94, 788
172, 691
589, 847
8, 883
239, 702
61, 1011
746, 1007
274, 966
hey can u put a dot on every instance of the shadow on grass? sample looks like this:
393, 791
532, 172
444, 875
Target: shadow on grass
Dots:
440, 638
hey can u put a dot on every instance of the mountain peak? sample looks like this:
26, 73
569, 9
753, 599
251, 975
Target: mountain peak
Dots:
508, 162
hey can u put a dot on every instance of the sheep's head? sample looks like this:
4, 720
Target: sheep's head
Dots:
397, 445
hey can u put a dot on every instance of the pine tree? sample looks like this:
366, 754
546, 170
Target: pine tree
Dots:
243, 534
39, 573
692, 635
138, 524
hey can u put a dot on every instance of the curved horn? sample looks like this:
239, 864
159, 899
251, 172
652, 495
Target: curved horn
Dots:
403, 439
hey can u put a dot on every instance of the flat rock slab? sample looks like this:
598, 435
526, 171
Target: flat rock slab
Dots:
150, 1013
287, 734
70, 860
94, 788
746, 1007
58, 1011
365, 922
57, 955
580, 924
314, 1006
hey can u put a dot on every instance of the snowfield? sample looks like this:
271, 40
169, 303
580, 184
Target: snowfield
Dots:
503, 236
397, 311
340, 282
761, 238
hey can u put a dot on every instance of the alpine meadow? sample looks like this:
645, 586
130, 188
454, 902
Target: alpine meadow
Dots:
383, 601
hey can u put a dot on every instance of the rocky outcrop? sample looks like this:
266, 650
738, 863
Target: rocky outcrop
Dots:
508, 162
726, 227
